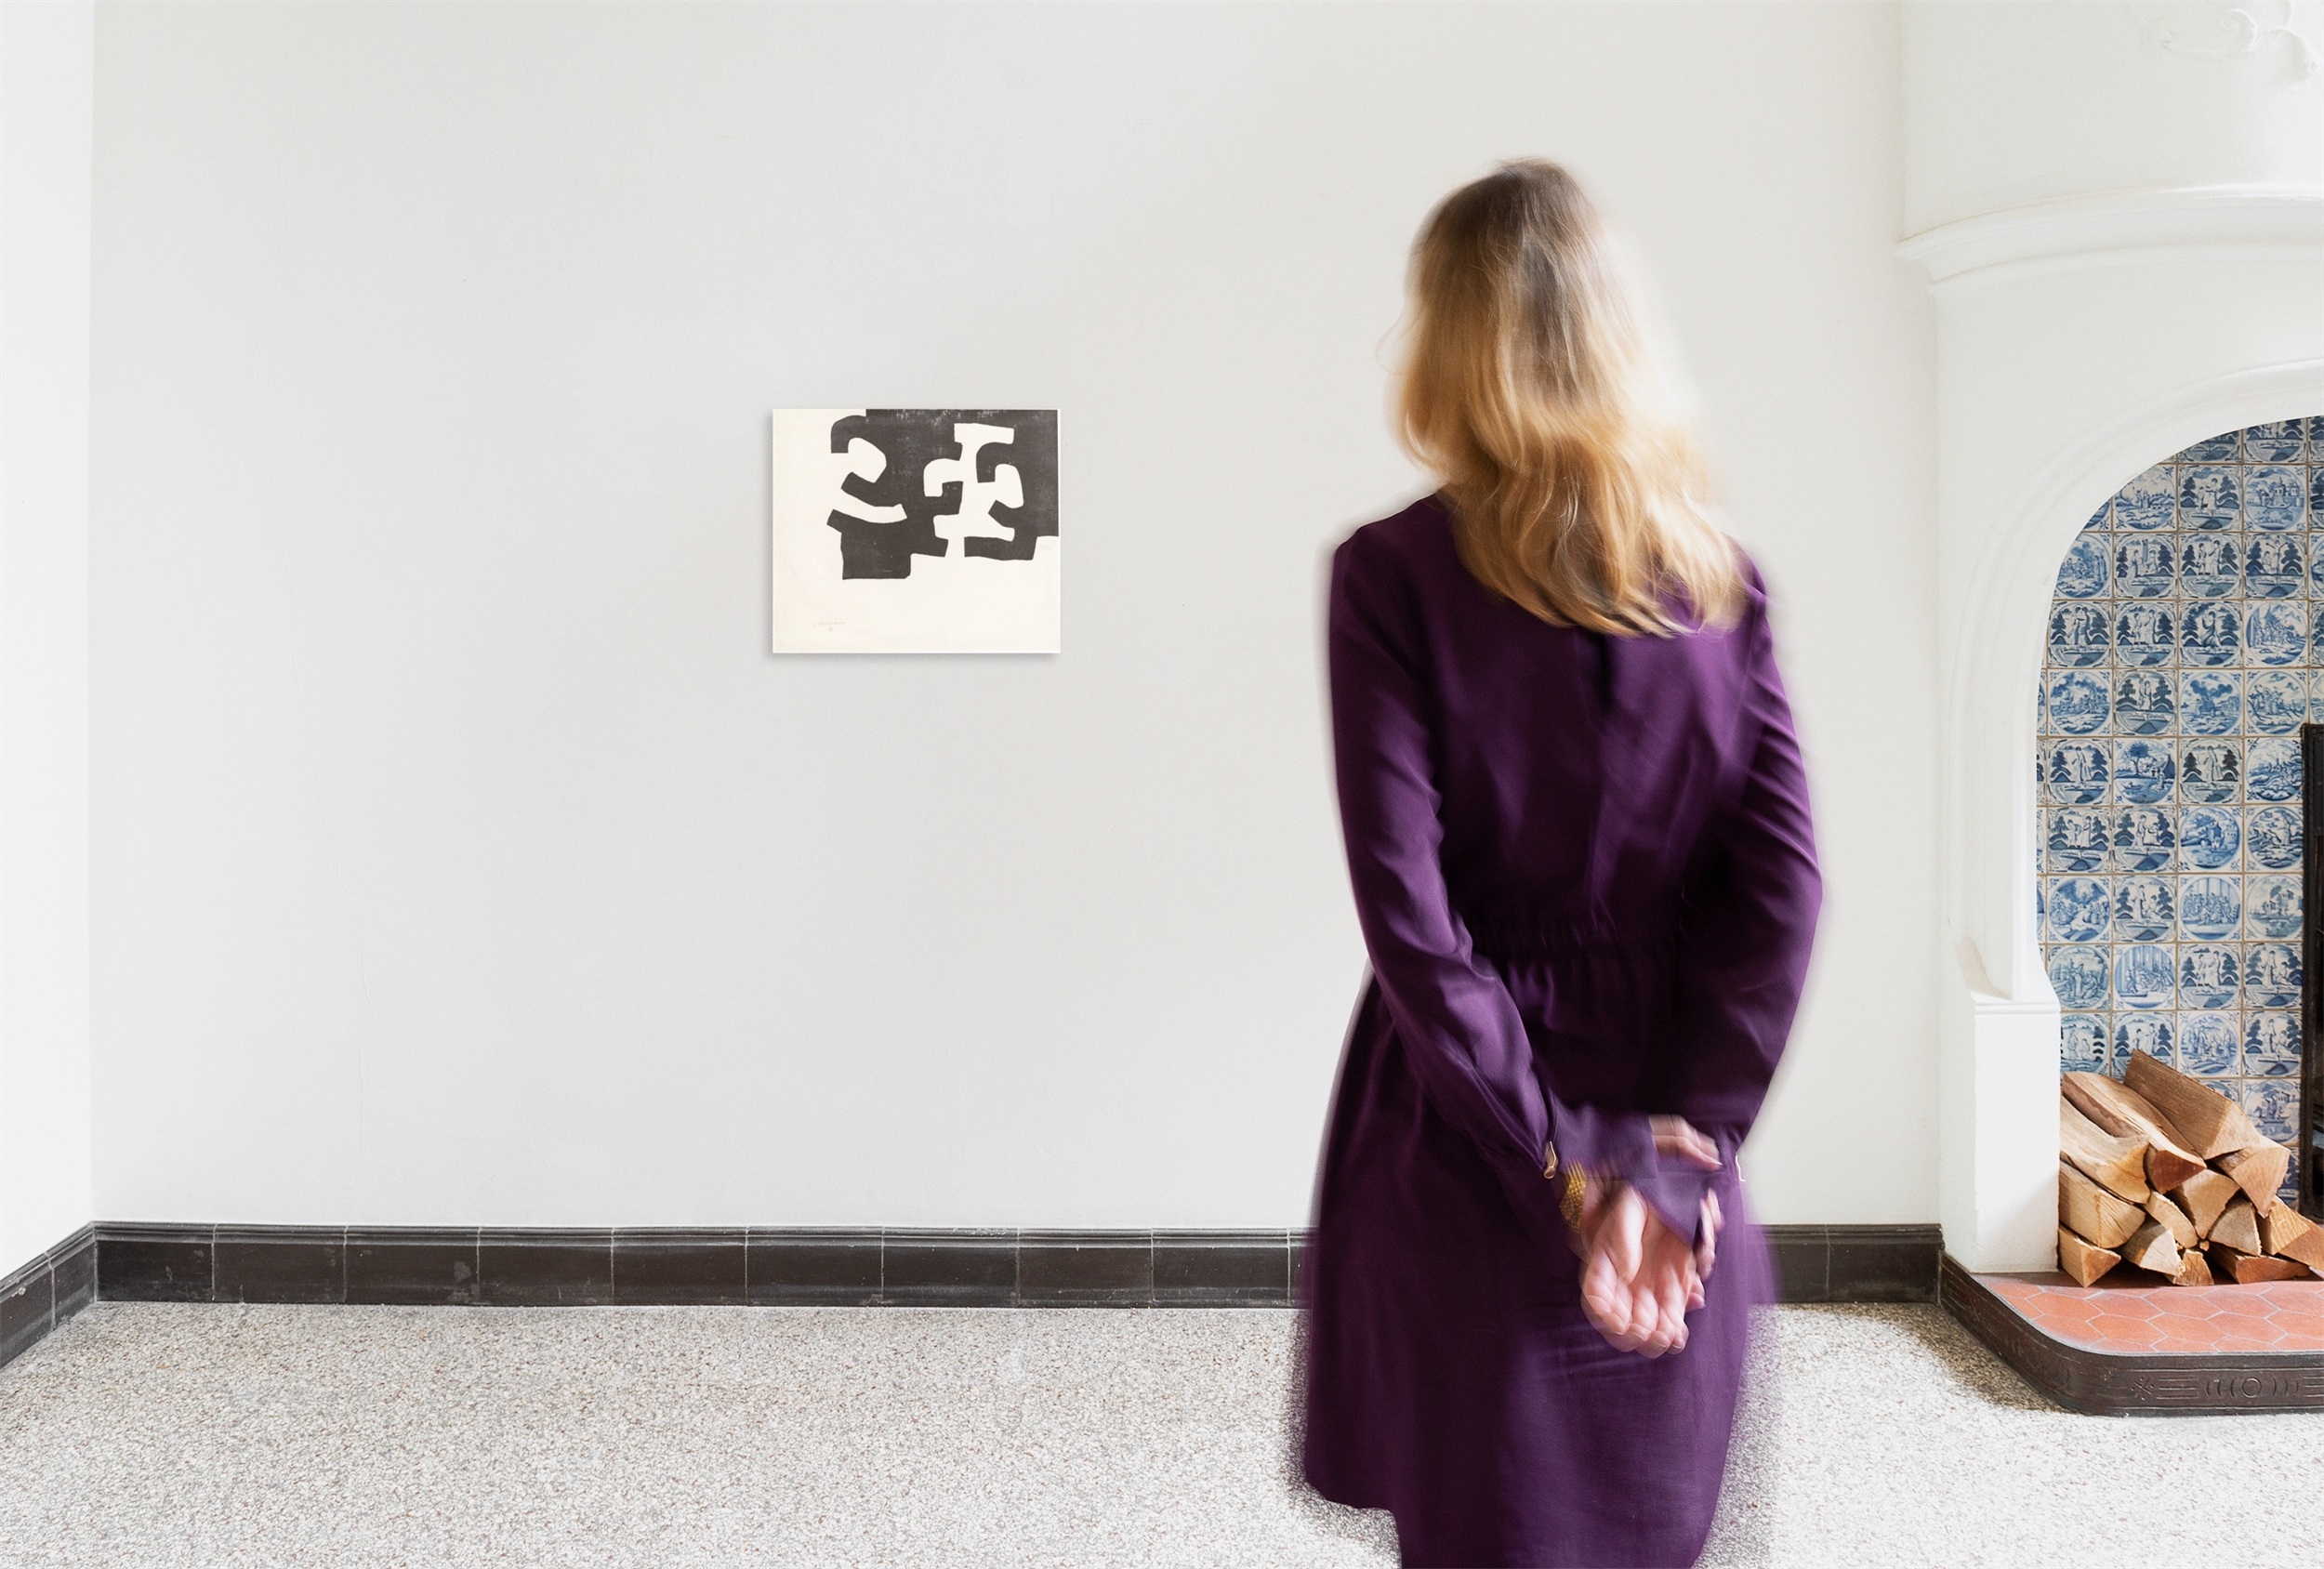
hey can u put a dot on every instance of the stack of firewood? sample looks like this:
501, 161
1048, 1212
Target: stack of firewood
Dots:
2168, 1174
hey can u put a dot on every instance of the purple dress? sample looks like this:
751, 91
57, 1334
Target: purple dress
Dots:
1584, 871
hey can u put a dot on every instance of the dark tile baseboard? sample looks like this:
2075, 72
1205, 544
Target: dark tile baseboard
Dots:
1855, 1263
45, 1292
734, 1266
763, 1267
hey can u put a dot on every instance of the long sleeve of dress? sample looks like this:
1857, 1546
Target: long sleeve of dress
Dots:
1465, 1038
1749, 927
1752, 922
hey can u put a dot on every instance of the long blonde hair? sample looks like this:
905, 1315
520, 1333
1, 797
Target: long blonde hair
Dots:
1576, 488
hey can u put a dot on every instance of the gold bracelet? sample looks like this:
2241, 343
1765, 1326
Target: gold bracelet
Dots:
1569, 1200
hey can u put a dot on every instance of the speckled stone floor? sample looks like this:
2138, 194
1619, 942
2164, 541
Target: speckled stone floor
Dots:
151, 1435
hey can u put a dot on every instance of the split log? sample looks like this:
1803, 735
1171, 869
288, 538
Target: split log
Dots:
2203, 1195
2151, 1248
2173, 1220
2287, 1234
2115, 1163
2258, 1169
2207, 1123
2097, 1214
2193, 1270
2251, 1269
2127, 1114
2239, 1227
2082, 1260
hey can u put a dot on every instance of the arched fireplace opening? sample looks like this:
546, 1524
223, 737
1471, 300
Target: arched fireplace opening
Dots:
2183, 671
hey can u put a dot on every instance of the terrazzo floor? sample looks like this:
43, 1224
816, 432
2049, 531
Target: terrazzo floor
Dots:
156, 1435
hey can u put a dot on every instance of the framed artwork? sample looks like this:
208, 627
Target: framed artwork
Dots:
916, 531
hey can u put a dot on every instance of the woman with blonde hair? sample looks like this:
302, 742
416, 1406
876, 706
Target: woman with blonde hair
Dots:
1576, 829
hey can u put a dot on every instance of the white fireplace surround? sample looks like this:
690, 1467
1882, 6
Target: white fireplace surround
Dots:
2089, 323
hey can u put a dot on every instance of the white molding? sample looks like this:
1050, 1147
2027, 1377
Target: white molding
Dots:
2200, 223
2242, 35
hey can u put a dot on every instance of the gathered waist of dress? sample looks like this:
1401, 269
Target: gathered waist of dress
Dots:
1514, 934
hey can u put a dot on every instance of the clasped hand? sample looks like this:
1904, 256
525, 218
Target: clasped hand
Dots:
1638, 1276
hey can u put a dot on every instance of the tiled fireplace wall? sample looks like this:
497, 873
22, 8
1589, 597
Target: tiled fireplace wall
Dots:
2182, 659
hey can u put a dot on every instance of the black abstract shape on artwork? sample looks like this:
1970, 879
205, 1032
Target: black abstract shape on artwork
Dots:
912, 439
1034, 453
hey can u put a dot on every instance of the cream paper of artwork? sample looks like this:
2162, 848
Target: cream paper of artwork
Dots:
953, 603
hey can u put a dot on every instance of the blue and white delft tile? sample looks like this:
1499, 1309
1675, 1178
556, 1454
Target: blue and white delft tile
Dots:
2078, 635
2075, 702
2206, 1044
2210, 909
2143, 912
2275, 567
2143, 772
2271, 769
2273, 498
2271, 1045
2208, 634
2277, 441
2078, 908
2080, 976
2210, 702
2272, 839
2145, 566
2145, 975
2272, 975
2209, 839
2076, 839
2145, 838
2209, 497
2149, 502
2276, 632
2143, 704
2206, 976
2144, 634
2085, 572
2279, 701
2149, 1033
2271, 907
2211, 767
2207, 578
2211, 565
2273, 1104
2082, 1044
2078, 773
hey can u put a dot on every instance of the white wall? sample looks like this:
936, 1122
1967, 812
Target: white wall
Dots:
462, 857
46, 53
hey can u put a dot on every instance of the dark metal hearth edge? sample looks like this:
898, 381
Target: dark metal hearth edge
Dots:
2149, 1384
119, 1261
